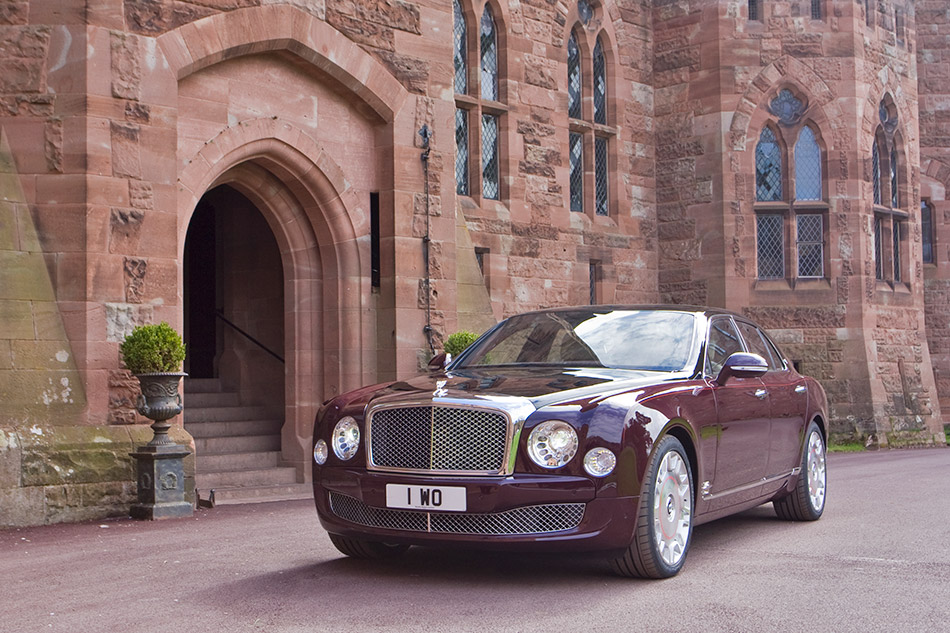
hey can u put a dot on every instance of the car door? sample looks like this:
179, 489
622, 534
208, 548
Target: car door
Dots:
743, 410
788, 399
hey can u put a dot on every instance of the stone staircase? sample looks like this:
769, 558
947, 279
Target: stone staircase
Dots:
237, 447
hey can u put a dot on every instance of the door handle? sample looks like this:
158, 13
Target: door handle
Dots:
801, 389
761, 394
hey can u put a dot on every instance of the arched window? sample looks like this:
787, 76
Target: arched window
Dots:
489, 56
600, 84
807, 166
768, 167
895, 197
791, 226
478, 115
461, 52
573, 78
890, 220
876, 172
591, 130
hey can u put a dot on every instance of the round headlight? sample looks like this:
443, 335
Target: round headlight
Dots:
346, 438
599, 462
320, 452
552, 444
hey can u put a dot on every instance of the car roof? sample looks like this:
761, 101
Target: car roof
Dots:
705, 310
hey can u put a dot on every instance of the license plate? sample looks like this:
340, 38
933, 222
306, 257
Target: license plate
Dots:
436, 498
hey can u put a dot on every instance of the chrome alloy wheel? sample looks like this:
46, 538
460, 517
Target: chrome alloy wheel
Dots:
672, 507
815, 464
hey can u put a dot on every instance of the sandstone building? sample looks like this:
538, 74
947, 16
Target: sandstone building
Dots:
316, 192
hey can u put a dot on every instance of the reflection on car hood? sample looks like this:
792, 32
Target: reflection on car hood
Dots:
542, 385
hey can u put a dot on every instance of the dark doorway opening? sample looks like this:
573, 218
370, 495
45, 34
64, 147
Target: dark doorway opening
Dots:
200, 273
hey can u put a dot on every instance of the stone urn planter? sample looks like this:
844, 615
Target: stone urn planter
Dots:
154, 353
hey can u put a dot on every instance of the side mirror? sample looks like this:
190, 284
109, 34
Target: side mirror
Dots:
742, 365
440, 361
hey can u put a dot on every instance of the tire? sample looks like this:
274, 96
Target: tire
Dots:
373, 550
807, 501
665, 522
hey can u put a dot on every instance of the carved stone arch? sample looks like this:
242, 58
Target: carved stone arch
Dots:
936, 169
216, 38
315, 217
886, 84
785, 71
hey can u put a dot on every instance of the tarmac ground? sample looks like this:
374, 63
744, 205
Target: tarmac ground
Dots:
879, 559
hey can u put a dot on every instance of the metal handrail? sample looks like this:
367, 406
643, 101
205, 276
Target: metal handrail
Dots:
220, 315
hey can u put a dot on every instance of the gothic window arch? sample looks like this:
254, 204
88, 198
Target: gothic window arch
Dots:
891, 215
479, 99
791, 206
592, 132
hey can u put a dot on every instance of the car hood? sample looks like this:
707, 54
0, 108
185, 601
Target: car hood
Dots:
542, 386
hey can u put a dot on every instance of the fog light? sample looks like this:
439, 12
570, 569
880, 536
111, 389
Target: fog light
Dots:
320, 452
552, 444
599, 462
346, 438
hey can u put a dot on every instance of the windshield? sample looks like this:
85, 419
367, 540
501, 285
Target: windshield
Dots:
655, 340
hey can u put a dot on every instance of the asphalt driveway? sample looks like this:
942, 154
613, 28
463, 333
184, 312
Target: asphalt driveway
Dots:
878, 560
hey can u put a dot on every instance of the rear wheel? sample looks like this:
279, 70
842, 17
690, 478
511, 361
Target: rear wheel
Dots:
807, 501
665, 522
356, 548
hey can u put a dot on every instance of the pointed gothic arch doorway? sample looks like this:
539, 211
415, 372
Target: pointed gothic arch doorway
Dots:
234, 332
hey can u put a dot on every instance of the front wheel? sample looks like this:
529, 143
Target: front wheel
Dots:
665, 522
807, 501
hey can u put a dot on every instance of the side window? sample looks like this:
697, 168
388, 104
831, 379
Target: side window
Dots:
723, 342
757, 345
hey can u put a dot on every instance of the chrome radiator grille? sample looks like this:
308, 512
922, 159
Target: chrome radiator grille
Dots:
438, 438
540, 519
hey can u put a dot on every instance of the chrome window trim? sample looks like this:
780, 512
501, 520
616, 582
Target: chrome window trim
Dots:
515, 409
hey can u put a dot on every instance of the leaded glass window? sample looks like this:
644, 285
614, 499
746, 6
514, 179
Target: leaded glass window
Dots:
815, 9
807, 166
600, 175
876, 172
896, 232
573, 78
770, 246
878, 247
461, 57
585, 12
600, 85
787, 107
895, 198
927, 231
810, 245
754, 10
592, 277
768, 168
490, 186
489, 56
576, 143
461, 152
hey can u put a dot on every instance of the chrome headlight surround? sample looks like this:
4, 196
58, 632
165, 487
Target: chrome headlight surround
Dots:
320, 452
346, 438
552, 444
599, 462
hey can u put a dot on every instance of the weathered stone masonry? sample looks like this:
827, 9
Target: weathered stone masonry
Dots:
123, 121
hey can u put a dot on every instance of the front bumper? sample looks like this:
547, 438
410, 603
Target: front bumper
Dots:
523, 511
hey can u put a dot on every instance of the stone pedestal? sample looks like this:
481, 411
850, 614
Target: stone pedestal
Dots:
161, 483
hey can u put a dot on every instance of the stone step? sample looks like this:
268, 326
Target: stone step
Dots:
219, 462
229, 414
236, 444
258, 494
202, 399
203, 385
233, 428
246, 478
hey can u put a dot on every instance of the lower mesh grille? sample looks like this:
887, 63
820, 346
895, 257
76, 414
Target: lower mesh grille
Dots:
541, 519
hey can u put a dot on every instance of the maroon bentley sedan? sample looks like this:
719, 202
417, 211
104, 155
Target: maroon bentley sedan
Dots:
610, 429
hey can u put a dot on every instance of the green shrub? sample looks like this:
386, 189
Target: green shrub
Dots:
152, 349
456, 343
